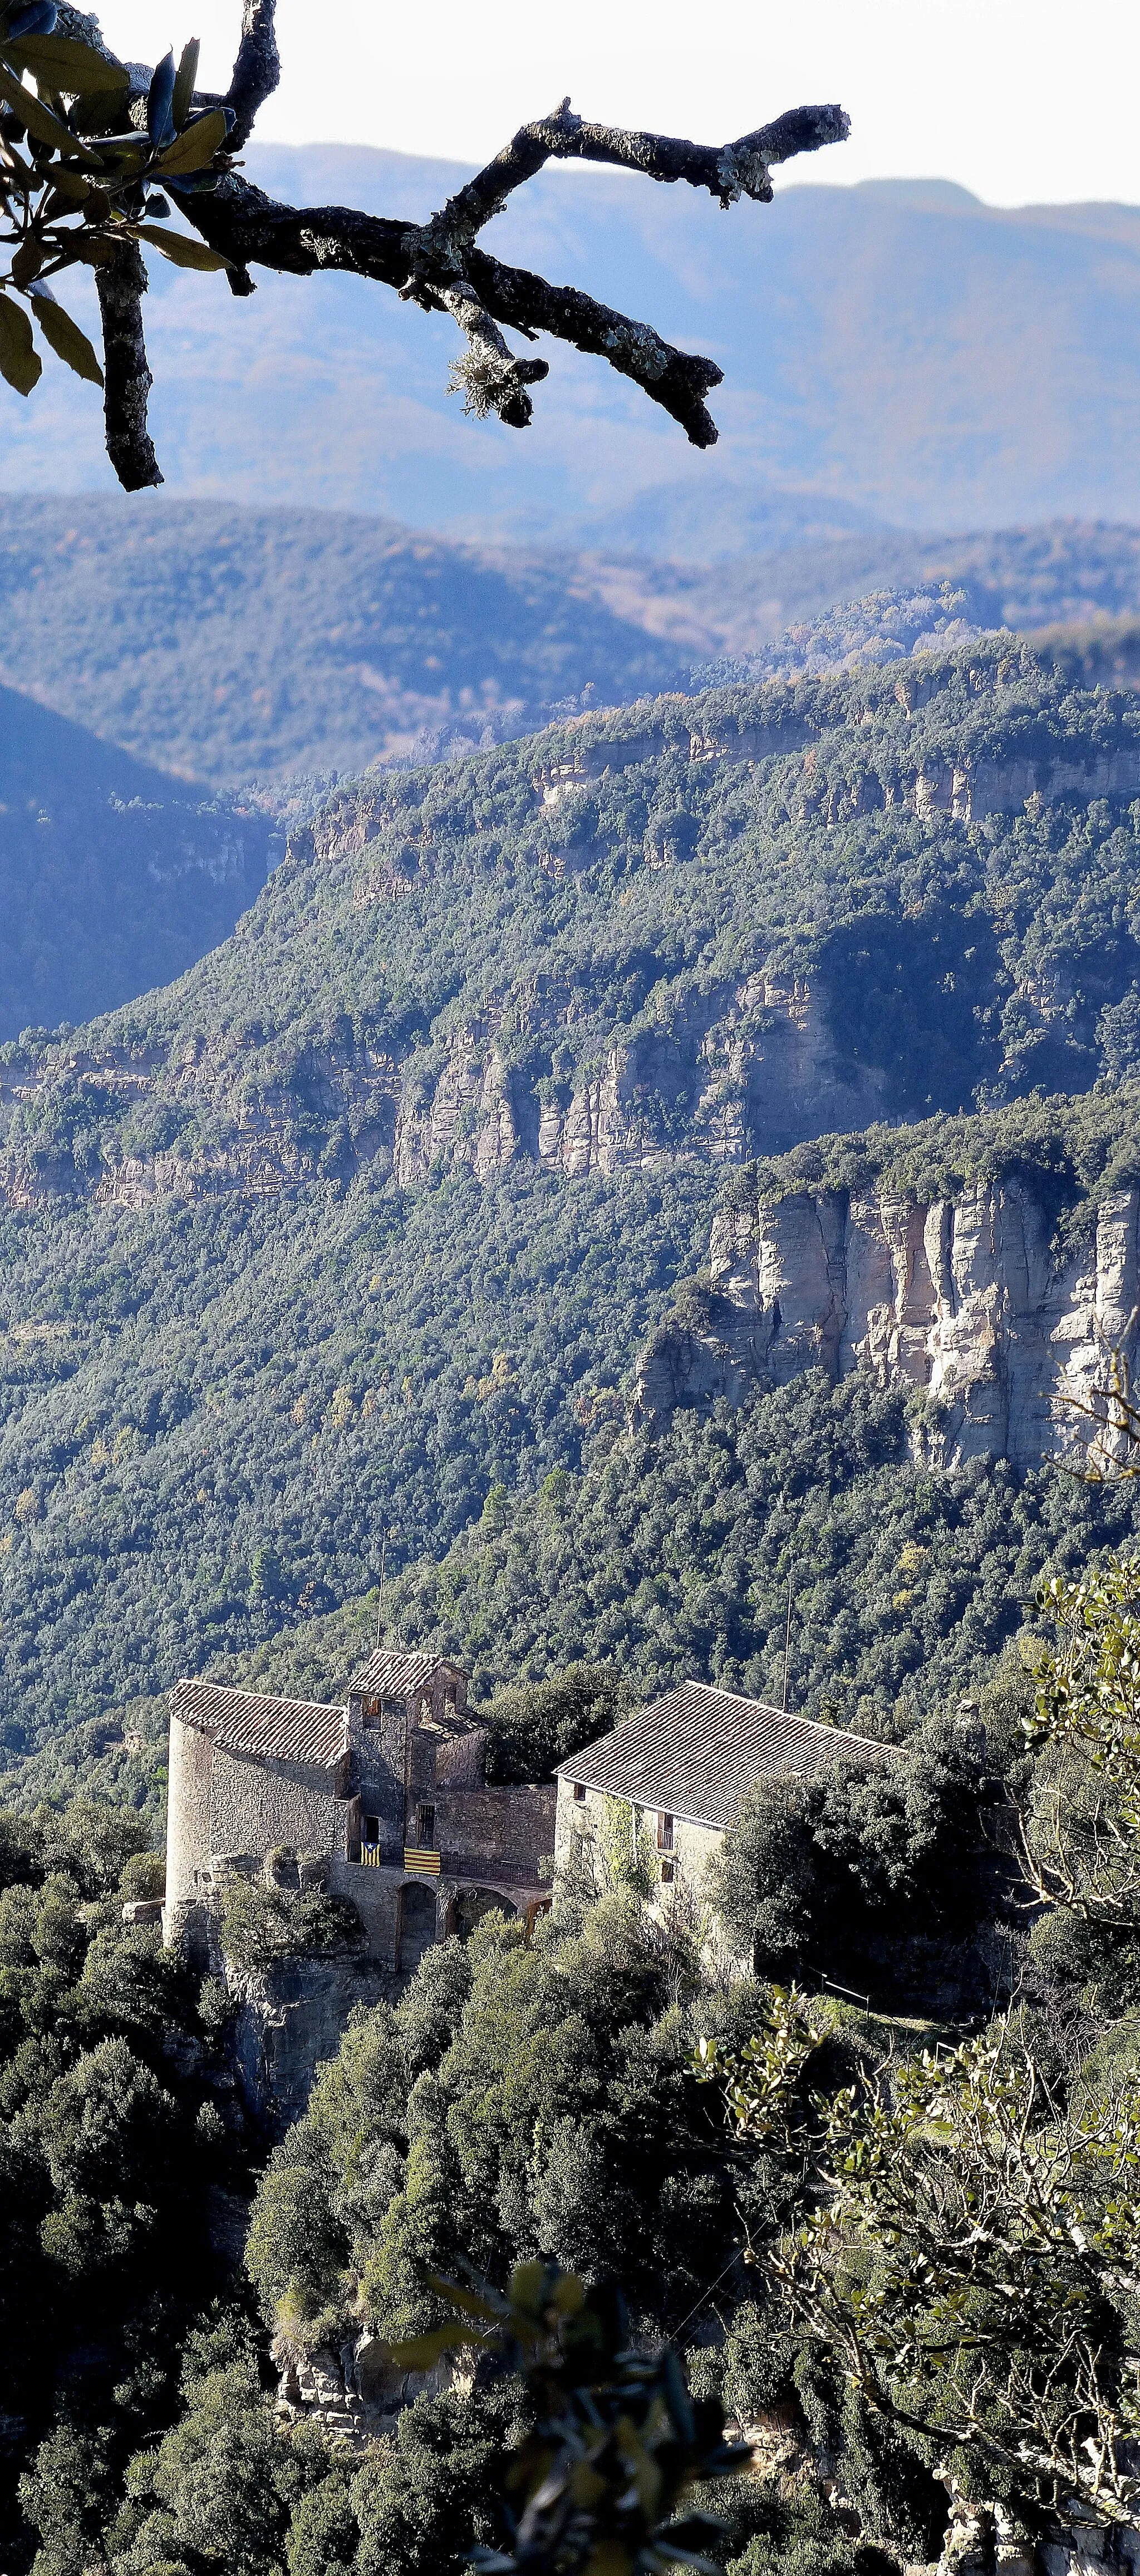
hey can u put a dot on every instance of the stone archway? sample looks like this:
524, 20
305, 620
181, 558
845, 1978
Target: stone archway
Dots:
469, 1906
417, 1925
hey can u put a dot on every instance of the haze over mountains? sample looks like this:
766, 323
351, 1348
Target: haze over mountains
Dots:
894, 352
230, 644
113, 874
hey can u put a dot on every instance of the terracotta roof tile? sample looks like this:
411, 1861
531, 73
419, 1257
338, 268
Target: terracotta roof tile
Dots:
399, 1671
250, 1722
694, 1752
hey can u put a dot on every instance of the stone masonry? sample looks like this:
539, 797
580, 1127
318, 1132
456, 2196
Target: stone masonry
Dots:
379, 1798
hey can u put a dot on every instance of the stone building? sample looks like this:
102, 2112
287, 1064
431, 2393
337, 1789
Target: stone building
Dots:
683, 1767
379, 1797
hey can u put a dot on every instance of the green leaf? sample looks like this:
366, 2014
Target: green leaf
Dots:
425, 2350
195, 148
69, 185
465, 2300
184, 79
65, 337
125, 157
40, 121
178, 247
65, 65
20, 364
28, 261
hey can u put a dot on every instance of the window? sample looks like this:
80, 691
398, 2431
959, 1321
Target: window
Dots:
579, 1793
665, 1833
667, 1873
425, 1827
372, 1829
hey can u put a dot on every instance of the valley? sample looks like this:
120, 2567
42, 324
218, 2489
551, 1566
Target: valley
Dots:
569, 1308
547, 1117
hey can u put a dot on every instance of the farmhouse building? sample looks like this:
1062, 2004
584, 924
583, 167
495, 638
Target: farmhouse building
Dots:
683, 1767
379, 1797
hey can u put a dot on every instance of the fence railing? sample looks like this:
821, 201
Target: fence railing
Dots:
477, 1867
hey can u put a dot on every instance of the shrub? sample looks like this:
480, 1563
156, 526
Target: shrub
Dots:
261, 1924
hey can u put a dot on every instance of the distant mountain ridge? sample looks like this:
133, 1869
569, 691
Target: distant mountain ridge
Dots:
893, 353
229, 644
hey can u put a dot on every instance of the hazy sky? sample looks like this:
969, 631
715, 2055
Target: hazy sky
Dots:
1019, 100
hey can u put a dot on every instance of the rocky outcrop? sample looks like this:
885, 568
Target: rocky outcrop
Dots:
352, 2393
1053, 760
746, 1068
288, 2019
964, 1301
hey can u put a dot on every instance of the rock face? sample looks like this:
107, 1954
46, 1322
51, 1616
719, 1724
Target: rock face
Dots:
368, 1013
962, 1300
289, 2019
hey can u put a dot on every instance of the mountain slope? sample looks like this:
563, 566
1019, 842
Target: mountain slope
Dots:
899, 350
230, 644
113, 874
364, 1223
257, 643
712, 925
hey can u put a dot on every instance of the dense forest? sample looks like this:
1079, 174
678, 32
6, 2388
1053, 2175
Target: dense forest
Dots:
269, 1317
212, 1413
727, 909
556, 2103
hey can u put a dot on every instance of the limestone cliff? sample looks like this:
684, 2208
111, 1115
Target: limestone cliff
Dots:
965, 1301
288, 2018
707, 927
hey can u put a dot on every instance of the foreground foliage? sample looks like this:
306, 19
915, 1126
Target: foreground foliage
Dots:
617, 2443
118, 2130
970, 2254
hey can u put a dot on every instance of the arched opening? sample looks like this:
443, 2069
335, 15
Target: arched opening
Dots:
472, 1903
417, 1926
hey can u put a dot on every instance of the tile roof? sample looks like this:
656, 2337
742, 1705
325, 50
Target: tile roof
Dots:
276, 1730
400, 1671
694, 1752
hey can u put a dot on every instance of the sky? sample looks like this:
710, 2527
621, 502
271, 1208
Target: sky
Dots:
1021, 101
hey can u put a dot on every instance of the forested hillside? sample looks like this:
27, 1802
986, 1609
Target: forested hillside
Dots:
715, 925
233, 644
237, 643
363, 1224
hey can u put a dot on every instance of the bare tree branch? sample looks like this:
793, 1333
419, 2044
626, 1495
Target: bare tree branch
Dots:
728, 171
490, 376
436, 265
256, 71
248, 227
121, 284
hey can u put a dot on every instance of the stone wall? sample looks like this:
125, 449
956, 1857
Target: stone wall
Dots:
580, 1838
257, 1805
963, 1299
506, 1830
221, 1805
188, 1844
